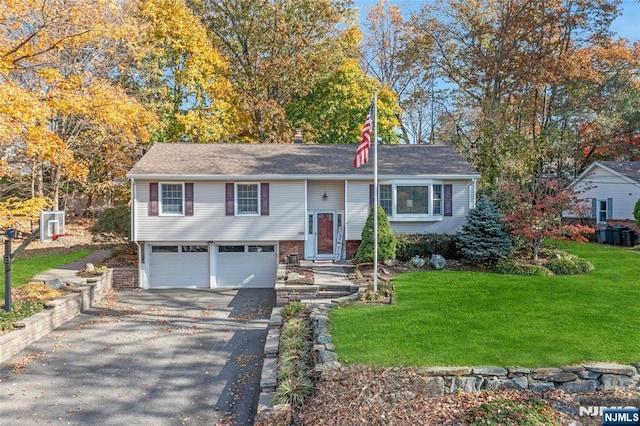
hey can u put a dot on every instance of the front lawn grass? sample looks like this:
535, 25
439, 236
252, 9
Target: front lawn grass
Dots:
23, 269
447, 318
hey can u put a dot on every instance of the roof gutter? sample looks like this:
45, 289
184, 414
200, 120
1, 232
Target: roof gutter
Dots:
362, 177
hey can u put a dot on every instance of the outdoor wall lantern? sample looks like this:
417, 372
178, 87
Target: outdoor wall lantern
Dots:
325, 196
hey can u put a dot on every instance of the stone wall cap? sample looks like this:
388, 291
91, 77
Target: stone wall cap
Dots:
490, 370
611, 368
446, 371
518, 370
572, 368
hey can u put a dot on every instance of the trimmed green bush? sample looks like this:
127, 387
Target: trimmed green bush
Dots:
564, 263
116, 220
518, 267
292, 309
636, 212
386, 239
426, 245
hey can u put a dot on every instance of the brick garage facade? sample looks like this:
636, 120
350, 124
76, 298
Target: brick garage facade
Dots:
291, 247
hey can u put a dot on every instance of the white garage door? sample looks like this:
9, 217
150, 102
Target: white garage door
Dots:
247, 265
179, 266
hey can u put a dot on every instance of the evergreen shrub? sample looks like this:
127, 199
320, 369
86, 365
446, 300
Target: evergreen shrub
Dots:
483, 238
386, 239
115, 220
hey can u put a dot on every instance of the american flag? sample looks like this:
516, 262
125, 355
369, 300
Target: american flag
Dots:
362, 154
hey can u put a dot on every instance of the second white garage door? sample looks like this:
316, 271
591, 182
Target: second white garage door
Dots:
247, 265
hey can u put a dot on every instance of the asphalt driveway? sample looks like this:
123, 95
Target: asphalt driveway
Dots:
161, 357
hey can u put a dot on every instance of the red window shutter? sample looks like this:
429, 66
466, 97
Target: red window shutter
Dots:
371, 196
188, 199
153, 198
229, 199
264, 199
448, 200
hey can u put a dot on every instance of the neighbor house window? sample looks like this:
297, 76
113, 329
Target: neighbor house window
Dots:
247, 201
171, 199
602, 210
412, 200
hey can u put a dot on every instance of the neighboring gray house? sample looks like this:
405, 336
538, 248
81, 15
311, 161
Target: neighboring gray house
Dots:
222, 215
612, 188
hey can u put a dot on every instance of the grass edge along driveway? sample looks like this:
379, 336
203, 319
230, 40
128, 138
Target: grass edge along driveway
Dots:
447, 318
24, 268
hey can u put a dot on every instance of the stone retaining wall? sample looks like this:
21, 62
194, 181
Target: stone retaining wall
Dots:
57, 312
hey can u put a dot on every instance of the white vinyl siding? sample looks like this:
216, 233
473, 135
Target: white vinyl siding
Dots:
334, 191
286, 220
357, 208
604, 185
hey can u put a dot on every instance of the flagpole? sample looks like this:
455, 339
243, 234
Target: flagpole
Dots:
375, 191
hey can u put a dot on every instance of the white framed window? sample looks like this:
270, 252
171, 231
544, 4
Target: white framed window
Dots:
412, 200
247, 199
171, 199
436, 199
603, 207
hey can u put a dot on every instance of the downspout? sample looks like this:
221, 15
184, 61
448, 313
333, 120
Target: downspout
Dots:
133, 209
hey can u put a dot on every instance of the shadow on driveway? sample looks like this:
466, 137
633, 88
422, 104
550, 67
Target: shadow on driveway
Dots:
159, 357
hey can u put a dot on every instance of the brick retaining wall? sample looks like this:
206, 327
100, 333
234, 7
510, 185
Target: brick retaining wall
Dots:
125, 278
57, 312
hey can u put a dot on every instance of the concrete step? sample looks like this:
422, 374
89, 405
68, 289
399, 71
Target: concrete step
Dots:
332, 294
338, 287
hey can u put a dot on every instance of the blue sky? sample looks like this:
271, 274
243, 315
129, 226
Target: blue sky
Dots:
627, 25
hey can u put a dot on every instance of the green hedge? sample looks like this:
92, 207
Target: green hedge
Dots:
424, 245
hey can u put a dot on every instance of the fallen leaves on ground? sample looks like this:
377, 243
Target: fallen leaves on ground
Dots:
36, 292
19, 366
369, 396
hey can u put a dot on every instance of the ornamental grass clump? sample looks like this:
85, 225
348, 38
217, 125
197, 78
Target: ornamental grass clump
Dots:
295, 361
563, 263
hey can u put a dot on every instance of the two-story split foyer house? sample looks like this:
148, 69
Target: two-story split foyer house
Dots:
222, 215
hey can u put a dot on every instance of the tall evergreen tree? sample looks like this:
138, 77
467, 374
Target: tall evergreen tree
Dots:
483, 238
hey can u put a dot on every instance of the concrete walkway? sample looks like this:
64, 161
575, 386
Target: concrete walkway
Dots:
327, 273
67, 273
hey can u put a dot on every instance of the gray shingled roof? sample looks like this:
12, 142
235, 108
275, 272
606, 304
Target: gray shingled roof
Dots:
630, 169
183, 159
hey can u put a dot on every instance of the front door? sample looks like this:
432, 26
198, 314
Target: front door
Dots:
325, 234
